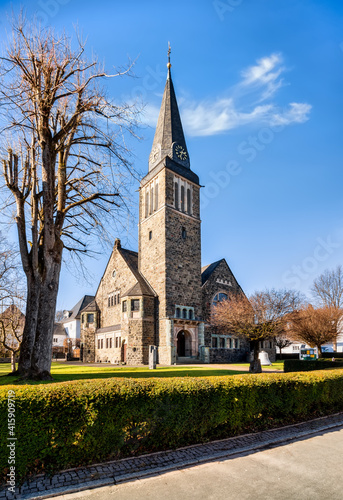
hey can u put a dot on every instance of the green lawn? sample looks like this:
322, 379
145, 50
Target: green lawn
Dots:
277, 365
63, 372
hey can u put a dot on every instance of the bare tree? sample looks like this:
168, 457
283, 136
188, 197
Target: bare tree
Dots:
315, 327
259, 318
327, 290
59, 316
66, 169
282, 341
8, 270
11, 331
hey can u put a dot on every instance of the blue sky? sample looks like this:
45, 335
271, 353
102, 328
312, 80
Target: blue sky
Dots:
259, 85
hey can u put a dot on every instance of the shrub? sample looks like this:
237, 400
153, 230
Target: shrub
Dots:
73, 423
298, 365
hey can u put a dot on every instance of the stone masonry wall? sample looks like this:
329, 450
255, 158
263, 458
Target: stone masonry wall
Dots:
123, 281
227, 355
211, 287
171, 264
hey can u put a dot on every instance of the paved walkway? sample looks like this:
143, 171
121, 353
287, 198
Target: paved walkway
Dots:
307, 469
113, 473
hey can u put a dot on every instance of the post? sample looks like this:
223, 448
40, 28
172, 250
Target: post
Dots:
152, 357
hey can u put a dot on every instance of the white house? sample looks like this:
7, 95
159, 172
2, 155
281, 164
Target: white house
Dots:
71, 321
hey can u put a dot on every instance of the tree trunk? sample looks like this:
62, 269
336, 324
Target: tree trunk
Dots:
42, 349
255, 365
280, 353
12, 362
29, 333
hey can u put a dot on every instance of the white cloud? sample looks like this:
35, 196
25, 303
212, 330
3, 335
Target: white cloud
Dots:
259, 84
266, 74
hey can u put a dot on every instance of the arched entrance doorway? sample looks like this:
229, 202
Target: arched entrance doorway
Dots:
184, 344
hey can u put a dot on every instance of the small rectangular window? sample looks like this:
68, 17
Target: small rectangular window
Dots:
221, 342
214, 342
98, 343
150, 235
90, 318
124, 306
115, 300
236, 344
106, 343
135, 305
111, 343
101, 343
116, 342
109, 302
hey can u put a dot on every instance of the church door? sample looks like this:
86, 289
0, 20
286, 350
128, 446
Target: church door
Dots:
181, 344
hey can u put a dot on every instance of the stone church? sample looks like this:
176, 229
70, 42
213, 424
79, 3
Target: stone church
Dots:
161, 296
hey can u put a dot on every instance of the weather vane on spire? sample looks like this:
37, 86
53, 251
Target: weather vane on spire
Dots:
169, 51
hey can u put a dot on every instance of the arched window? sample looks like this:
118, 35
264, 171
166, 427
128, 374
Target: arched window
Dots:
176, 195
156, 196
146, 203
190, 314
189, 204
151, 200
178, 312
183, 233
184, 313
219, 297
182, 199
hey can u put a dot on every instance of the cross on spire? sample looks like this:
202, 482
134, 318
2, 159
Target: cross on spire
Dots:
169, 51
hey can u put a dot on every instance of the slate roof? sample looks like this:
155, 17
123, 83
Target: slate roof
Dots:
60, 330
141, 287
206, 271
75, 311
169, 127
92, 306
106, 329
169, 131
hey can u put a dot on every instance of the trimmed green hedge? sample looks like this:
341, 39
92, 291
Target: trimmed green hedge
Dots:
298, 365
73, 423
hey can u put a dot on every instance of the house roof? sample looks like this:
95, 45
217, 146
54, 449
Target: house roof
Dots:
106, 329
206, 271
141, 287
60, 330
75, 311
92, 306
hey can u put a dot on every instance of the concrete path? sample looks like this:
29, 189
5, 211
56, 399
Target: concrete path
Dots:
307, 469
162, 463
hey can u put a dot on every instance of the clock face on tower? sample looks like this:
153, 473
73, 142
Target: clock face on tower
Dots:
181, 153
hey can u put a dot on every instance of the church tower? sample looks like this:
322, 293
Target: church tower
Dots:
169, 236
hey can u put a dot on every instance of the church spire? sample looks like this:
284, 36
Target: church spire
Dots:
169, 139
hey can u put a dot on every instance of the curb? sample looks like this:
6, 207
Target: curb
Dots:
128, 469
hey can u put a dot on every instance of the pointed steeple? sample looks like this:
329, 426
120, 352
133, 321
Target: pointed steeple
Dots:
169, 138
